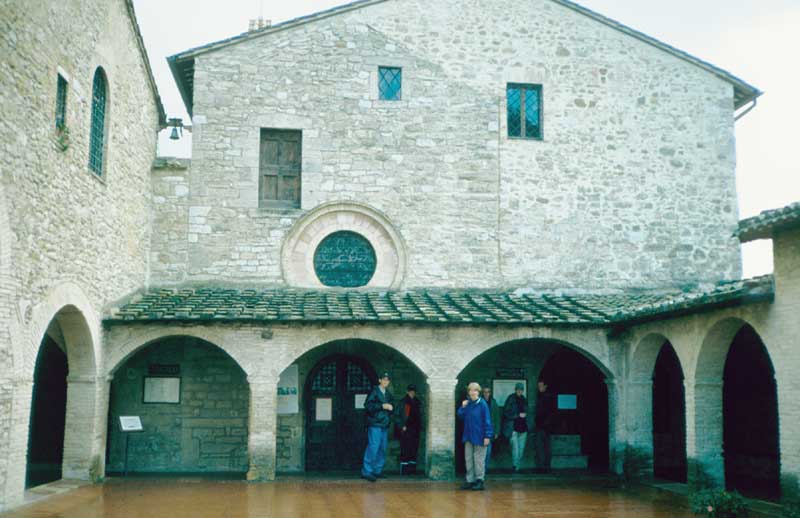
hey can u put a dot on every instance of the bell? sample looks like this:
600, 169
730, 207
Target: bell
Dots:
174, 135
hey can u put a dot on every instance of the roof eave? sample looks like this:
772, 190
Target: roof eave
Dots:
186, 91
162, 115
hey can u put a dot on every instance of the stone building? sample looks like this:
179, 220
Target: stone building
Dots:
451, 191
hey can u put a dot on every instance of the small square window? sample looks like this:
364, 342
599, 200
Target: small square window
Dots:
390, 83
61, 102
524, 111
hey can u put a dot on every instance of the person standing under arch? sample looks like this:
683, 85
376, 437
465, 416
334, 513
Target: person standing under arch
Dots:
380, 406
409, 427
515, 426
476, 437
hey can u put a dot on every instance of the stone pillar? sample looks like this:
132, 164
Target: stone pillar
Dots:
262, 429
440, 461
639, 418
82, 431
704, 433
15, 411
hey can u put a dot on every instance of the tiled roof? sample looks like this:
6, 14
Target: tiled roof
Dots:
195, 304
763, 225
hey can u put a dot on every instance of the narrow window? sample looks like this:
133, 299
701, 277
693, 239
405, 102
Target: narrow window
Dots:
280, 167
524, 110
97, 138
390, 83
61, 102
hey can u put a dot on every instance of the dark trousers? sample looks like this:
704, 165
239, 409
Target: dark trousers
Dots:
409, 447
543, 452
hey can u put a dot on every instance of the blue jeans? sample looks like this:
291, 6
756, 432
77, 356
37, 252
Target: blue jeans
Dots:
375, 455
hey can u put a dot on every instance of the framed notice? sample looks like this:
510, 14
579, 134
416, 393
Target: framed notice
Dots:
323, 408
360, 399
287, 391
567, 401
501, 389
130, 423
162, 390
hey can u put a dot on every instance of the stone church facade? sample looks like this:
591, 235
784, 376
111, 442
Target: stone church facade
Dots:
450, 191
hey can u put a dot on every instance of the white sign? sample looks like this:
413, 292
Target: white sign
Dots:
130, 423
288, 391
162, 390
567, 401
360, 399
501, 389
324, 409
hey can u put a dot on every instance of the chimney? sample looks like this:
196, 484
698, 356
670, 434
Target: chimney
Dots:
259, 23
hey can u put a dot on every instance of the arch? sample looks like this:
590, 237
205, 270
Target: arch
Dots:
529, 358
300, 243
669, 416
70, 308
645, 355
136, 341
714, 348
294, 429
201, 428
98, 133
750, 436
708, 387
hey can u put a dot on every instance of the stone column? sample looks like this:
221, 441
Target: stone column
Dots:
639, 418
15, 412
440, 461
704, 433
82, 432
262, 429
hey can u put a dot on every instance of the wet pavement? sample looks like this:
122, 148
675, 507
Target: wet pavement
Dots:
345, 498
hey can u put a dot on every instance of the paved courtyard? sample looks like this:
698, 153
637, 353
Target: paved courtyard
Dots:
345, 498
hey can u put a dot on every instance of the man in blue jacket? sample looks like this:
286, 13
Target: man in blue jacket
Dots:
379, 405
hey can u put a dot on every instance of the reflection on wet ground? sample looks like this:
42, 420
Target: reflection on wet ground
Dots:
505, 497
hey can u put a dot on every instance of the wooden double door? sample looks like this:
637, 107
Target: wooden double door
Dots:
336, 432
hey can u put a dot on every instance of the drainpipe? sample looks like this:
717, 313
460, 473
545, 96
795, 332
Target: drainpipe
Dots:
745, 112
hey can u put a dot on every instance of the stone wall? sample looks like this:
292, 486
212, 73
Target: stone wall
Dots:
66, 235
206, 432
632, 185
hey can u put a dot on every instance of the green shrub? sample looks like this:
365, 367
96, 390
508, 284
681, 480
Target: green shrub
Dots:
718, 503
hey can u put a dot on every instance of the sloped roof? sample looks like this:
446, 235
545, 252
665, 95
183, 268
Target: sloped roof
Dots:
162, 115
428, 306
765, 224
182, 64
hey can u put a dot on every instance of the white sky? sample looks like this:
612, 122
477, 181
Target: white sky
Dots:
757, 40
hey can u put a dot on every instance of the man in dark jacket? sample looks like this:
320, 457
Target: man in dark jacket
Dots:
546, 408
410, 427
379, 405
515, 412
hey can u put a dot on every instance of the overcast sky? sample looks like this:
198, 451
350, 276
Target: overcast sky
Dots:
757, 40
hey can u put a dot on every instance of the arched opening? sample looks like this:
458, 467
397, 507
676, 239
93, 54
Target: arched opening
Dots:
669, 417
48, 412
97, 131
192, 400
580, 428
57, 428
321, 418
750, 418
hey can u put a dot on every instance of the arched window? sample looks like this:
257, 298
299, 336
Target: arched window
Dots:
97, 135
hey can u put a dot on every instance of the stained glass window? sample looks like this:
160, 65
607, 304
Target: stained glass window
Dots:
390, 83
61, 102
357, 379
524, 103
97, 138
345, 259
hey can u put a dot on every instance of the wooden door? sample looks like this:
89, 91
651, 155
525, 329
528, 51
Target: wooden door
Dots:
336, 433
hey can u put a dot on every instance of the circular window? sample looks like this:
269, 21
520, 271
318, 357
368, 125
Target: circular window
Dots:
345, 259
